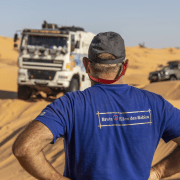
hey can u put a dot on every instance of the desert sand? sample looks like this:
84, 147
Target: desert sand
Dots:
16, 114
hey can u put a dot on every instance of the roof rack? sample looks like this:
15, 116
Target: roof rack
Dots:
71, 28
46, 25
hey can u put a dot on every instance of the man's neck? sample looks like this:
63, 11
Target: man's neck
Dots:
120, 81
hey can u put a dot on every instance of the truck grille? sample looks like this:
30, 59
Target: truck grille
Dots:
43, 64
41, 74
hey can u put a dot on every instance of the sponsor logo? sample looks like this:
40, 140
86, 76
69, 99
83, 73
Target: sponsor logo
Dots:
124, 118
115, 117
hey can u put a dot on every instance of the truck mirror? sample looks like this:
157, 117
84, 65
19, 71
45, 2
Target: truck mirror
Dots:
77, 46
15, 45
15, 37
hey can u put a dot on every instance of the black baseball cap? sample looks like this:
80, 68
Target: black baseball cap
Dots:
107, 42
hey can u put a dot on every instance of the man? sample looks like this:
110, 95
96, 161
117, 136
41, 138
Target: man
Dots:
110, 130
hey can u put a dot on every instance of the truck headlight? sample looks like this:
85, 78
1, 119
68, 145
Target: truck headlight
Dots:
21, 74
166, 73
59, 48
31, 50
46, 52
58, 53
36, 52
25, 51
62, 77
64, 50
52, 51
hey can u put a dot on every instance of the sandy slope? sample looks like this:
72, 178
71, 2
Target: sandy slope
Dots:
16, 114
170, 91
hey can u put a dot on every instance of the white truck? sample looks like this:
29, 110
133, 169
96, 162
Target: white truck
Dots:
50, 60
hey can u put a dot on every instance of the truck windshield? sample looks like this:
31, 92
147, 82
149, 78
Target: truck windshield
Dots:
47, 41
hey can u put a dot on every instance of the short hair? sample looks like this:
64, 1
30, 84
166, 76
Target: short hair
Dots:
105, 68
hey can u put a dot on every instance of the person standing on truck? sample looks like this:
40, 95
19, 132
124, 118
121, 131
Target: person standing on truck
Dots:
111, 130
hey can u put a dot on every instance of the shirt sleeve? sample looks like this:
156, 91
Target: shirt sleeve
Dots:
172, 122
58, 116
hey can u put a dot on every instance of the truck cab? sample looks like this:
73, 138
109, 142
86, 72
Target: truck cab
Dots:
50, 60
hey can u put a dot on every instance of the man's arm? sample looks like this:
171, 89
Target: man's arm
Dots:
28, 150
169, 166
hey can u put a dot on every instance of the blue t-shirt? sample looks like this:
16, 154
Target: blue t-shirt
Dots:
110, 131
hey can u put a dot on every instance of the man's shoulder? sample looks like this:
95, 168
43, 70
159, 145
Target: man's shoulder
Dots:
98, 91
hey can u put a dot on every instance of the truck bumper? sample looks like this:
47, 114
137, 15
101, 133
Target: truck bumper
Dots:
61, 80
58, 84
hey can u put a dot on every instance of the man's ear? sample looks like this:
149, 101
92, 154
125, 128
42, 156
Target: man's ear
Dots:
125, 65
86, 62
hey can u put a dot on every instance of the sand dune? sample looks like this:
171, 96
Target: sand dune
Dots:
15, 114
168, 89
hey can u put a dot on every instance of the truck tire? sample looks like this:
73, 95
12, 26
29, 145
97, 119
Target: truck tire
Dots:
173, 78
24, 92
74, 86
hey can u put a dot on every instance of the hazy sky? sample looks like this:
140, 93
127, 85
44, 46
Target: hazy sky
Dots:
155, 22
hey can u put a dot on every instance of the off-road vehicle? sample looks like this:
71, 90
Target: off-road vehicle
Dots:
171, 72
50, 60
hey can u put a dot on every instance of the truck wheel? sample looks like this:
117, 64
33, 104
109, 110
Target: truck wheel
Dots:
74, 86
24, 92
173, 78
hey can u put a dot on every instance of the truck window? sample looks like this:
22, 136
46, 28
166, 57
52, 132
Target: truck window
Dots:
47, 41
24, 40
72, 42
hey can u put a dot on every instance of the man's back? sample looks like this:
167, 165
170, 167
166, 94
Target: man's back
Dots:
111, 131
